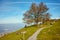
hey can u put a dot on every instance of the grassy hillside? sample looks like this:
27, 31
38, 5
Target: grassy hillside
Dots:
18, 35
52, 33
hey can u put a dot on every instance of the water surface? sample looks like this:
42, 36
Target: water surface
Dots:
6, 28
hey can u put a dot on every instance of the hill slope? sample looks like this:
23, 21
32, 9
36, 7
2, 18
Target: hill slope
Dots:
52, 33
18, 35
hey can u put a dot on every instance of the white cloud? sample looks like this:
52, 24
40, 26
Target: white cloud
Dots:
11, 20
55, 17
31, 2
16, 2
5, 29
53, 3
53, 8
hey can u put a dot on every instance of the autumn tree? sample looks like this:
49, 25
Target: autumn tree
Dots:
36, 14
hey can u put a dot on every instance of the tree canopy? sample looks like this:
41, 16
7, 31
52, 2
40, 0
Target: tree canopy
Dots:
37, 14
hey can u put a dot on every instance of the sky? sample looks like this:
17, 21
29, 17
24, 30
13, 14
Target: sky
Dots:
11, 11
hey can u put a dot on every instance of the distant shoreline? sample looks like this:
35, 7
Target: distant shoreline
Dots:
3, 34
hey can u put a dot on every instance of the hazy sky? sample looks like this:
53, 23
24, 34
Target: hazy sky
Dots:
11, 11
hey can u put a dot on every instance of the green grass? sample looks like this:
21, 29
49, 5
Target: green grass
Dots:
52, 33
15, 36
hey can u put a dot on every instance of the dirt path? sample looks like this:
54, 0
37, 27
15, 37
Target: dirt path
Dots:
34, 36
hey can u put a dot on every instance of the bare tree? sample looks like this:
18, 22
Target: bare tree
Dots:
36, 14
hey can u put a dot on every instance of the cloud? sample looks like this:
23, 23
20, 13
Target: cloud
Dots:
31, 2
7, 8
53, 8
16, 2
5, 29
55, 18
11, 20
53, 3
14, 14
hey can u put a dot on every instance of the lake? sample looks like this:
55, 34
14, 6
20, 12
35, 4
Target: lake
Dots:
6, 28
